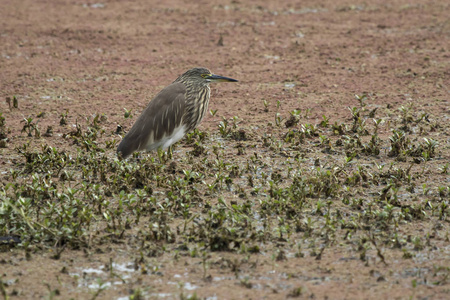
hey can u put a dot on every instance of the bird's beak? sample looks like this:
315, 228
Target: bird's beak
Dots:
217, 78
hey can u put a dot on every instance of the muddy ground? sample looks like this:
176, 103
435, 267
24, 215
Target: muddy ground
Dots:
358, 231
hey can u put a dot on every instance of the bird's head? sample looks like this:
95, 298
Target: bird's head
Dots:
203, 75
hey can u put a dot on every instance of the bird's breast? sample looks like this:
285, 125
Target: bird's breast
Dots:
196, 107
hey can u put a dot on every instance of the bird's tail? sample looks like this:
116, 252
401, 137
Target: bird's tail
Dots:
124, 149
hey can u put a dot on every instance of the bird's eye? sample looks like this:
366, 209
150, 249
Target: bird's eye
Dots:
205, 75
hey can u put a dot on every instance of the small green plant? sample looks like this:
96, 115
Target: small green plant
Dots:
266, 106
127, 114
3, 290
293, 119
359, 123
3, 130
63, 118
418, 245
444, 169
377, 123
15, 102
223, 128
429, 148
325, 122
2, 120
338, 129
406, 114
399, 143
31, 127
361, 99
278, 119
213, 112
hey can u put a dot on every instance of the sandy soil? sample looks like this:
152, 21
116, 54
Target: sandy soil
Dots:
87, 57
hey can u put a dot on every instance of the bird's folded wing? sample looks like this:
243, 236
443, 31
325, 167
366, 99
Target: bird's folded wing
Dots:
162, 115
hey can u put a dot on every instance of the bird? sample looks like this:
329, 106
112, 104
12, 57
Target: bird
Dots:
174, 111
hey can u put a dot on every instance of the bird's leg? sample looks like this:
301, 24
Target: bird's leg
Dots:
170, 152
161, 153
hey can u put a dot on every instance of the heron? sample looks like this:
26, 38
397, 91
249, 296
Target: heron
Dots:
176, 110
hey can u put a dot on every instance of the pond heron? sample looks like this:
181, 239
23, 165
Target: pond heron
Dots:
175, 111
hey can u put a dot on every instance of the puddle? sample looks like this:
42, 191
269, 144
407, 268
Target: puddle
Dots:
96, 278
305, 11
276, 57
97, 286
94, 5
259, 221
223, 278
123, 267
188, 286
289, 85
92, 270
161, 295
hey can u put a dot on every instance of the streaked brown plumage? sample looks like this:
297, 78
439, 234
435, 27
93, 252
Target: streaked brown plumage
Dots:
176, 110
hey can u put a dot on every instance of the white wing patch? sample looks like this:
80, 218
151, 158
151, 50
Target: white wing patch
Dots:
177, 134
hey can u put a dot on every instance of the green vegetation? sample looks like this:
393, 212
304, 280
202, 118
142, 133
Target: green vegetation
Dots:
300, 190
